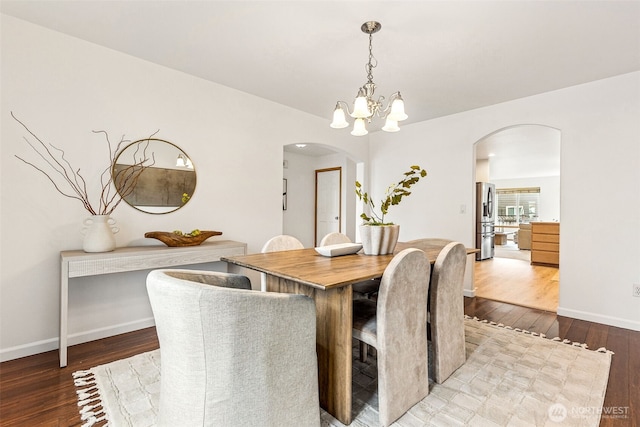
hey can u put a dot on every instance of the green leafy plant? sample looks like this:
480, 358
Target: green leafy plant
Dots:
393, 196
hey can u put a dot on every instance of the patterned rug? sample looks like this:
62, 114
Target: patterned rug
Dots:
511, 378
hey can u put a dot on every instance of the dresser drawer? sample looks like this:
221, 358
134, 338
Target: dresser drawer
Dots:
545, 227
544, 246
543, 257
549, 238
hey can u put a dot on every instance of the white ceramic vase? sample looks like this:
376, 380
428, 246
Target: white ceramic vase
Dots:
379, 239
98, 232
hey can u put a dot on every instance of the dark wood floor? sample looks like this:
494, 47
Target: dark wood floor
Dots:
34, 391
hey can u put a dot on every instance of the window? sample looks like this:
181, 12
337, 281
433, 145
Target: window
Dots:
518, 205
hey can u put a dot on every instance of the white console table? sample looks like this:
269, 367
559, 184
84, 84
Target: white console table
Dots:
81, 264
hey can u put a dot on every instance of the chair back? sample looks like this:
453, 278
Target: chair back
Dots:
403, 372
334, 239
446, 307
283, 242
218, 343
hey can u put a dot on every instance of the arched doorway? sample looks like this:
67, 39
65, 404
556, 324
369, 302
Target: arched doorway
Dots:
523, 162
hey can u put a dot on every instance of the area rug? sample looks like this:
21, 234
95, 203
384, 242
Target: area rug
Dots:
511, 250
511, 378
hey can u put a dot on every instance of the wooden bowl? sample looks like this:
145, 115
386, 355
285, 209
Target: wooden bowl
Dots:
176, 240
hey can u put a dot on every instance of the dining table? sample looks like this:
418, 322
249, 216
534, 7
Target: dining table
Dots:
328, 280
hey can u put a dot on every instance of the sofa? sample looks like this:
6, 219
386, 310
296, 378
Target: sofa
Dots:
524, 236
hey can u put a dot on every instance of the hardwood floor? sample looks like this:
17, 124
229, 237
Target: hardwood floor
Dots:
34, 391
518, 282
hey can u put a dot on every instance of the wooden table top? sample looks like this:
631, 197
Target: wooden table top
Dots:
310, 268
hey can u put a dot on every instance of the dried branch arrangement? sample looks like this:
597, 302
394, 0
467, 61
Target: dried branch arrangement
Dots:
70, 182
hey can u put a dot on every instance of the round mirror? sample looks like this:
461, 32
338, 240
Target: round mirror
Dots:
154, 176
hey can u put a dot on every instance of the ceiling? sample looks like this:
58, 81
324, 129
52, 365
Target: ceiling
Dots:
444, 56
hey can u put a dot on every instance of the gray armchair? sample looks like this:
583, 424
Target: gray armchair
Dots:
396, 325
231, 356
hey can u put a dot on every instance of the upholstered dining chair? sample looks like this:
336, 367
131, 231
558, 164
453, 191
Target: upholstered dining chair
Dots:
364, 289
446, 311
231, 356
283, 242
334, 239
396, 325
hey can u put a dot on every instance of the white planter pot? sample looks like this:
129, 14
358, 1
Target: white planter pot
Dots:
379, 239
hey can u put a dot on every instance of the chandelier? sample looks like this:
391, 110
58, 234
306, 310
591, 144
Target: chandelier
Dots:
364, 106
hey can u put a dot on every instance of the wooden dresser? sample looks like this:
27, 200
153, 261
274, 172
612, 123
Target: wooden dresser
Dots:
545, 243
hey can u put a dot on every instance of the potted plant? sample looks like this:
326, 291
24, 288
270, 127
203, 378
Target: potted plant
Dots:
380, 237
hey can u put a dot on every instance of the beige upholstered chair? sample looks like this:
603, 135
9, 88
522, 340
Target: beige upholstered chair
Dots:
446, 310
282, 242
334, 239
446, 306
363, 289
396, 325
231, 356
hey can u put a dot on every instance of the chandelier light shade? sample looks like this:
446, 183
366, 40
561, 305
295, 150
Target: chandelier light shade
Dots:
365, 107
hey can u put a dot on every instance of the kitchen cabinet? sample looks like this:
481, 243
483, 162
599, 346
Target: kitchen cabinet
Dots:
545, 243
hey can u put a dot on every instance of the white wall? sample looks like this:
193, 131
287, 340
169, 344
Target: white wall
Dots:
600, 168
298, 219
64, 88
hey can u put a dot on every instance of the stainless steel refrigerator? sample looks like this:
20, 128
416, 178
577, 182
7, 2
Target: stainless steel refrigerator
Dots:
485, 219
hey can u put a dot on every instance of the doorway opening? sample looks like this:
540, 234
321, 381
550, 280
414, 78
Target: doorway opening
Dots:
328, 202
301, 162
523, 162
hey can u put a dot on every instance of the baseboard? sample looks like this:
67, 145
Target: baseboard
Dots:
43, 346
598, 318
471, 293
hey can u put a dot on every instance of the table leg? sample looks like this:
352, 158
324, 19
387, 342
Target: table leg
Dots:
334, 317
64, 304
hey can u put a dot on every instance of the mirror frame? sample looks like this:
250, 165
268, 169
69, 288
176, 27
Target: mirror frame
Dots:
158, 180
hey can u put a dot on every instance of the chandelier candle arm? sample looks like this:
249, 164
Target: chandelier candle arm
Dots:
365, 107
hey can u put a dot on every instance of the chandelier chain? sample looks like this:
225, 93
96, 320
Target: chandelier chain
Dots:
372, 60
